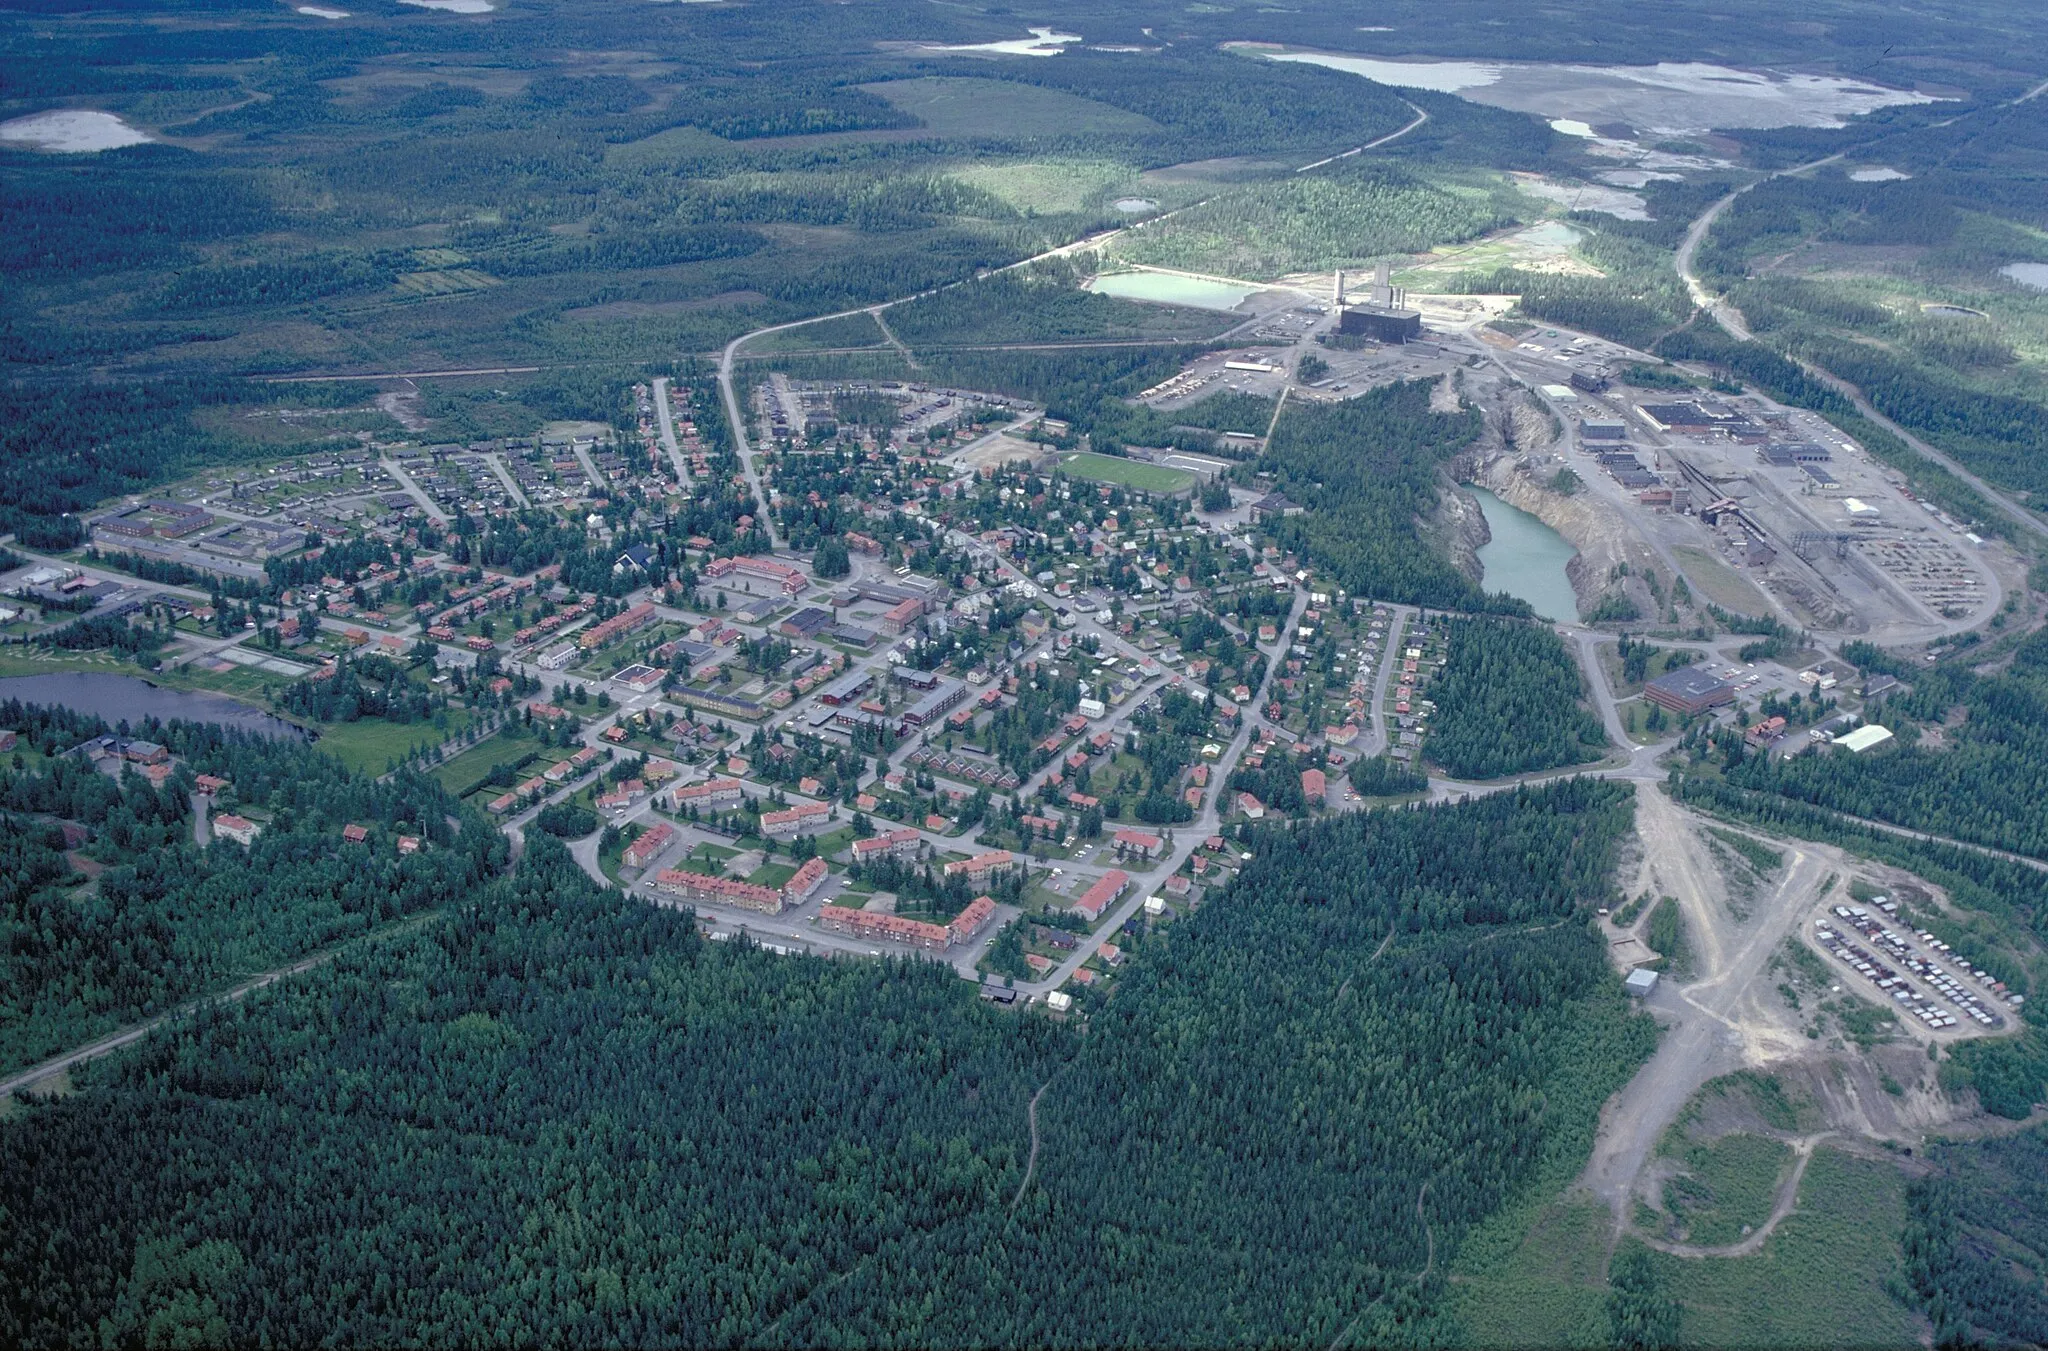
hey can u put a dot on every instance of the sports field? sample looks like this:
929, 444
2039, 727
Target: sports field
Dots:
1150, 478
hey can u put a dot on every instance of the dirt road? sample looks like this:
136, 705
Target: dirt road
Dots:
1720, 1021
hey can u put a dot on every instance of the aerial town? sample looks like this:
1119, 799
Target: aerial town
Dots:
1014, 707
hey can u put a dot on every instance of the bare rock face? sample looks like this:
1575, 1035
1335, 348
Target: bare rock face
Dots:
1458, 528
1604, 540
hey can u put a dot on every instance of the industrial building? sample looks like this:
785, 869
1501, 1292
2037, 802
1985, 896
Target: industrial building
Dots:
1689, 689
1384, 317
808, 622
1864, 738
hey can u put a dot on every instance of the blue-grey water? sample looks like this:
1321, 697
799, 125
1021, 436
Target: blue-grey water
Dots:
1526, 559
114, 697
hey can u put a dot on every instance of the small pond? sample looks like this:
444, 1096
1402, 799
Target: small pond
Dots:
1166, 288
2034, 275
114, 697
1526, 559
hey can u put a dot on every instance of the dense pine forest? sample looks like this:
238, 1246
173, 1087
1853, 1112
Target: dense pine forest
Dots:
140, 917
1368, 470
1977, 1241
1509, 702
558, 1115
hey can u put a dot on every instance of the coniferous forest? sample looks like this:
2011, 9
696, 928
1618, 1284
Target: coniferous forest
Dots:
1509, 702
559, 1116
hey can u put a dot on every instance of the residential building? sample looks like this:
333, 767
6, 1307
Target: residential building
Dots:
899, 844
971, 920
941, 700
1103, 894
1142, 843
618, 626
792, 820
689, 886
708, 793
239, 829
806, 881
873, 924
981, 865
648, 847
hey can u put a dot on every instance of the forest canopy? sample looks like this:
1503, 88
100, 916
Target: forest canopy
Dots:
555, 1097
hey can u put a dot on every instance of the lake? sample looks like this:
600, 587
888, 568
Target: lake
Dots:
1671, 98
1166, 288
2033, 275
114, 697
1042, 42
71, 131
1526, 559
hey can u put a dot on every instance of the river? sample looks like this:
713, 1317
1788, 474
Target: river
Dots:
1526, 559
114, 697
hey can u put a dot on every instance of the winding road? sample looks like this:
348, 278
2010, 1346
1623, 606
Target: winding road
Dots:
1732, 323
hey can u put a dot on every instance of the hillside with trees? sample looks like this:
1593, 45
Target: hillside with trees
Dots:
545, 1119
1368, 469
142, 918
1509, 701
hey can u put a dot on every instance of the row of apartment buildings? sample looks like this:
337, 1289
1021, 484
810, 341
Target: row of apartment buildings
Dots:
874, 924
689, 886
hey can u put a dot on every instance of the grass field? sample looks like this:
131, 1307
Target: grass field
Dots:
1728, 1186
952, 106
369, 745
772, 874
466, 768
1820, 1277
1721, 584
1051, 187
1150, 478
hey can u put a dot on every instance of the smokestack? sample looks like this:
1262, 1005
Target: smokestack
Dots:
1340, 286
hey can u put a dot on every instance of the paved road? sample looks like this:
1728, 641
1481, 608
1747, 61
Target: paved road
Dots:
1188, 836
1735, 326
128, 1036
668, 430
1420, 118
511, 485
417, 493
590, 472
1378, 741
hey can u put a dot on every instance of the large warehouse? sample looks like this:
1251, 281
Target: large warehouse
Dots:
1689, 690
